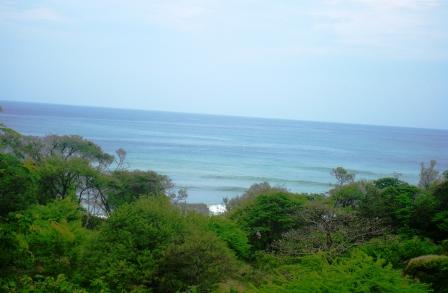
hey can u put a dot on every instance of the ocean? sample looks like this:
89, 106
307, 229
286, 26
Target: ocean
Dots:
221, 156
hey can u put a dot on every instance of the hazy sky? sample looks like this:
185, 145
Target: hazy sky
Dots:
358, 61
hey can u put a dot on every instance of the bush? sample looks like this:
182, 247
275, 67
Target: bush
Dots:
432, 269
356, 273
124, 254
232, 234
43, 239
200, 262
150, 245
441, 221
41, 284
398, 250
444, 247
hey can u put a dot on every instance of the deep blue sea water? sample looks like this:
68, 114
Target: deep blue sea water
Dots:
220, 156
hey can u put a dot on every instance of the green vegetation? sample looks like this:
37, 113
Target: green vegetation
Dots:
355, 273
432, 269
74, 219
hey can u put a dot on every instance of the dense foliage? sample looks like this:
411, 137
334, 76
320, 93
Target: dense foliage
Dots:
74, 219
355, 273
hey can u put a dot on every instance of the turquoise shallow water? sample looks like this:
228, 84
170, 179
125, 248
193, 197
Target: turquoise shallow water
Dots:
219, 156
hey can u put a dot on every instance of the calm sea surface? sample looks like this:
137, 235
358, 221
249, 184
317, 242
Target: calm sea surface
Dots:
220, 156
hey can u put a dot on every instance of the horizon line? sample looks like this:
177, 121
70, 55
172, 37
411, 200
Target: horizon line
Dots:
222, 115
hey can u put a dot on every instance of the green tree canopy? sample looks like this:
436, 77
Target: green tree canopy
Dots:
18, 185
269, 215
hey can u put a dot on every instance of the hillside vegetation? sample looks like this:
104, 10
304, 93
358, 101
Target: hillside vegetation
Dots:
75, 219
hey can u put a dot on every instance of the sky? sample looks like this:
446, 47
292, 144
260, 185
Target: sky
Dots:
382, 62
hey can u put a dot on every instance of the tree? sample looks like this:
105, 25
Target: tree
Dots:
428, 175
349, 195
59, 178
253, 191
440, 192
18, 185
421, 219
124, 186
445, 175
387, 182
435, 209
71, 165
64, 147
400, 201
12, 142
343, 176
121, 154
268, 216
74, 146
391, 200
328, 229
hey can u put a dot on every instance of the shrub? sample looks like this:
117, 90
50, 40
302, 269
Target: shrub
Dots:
432, 269
124, 254
41, 284
232, 234
398, 250
333, 230
356, 273
150, 245
200, 262
444, 247
43, 239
